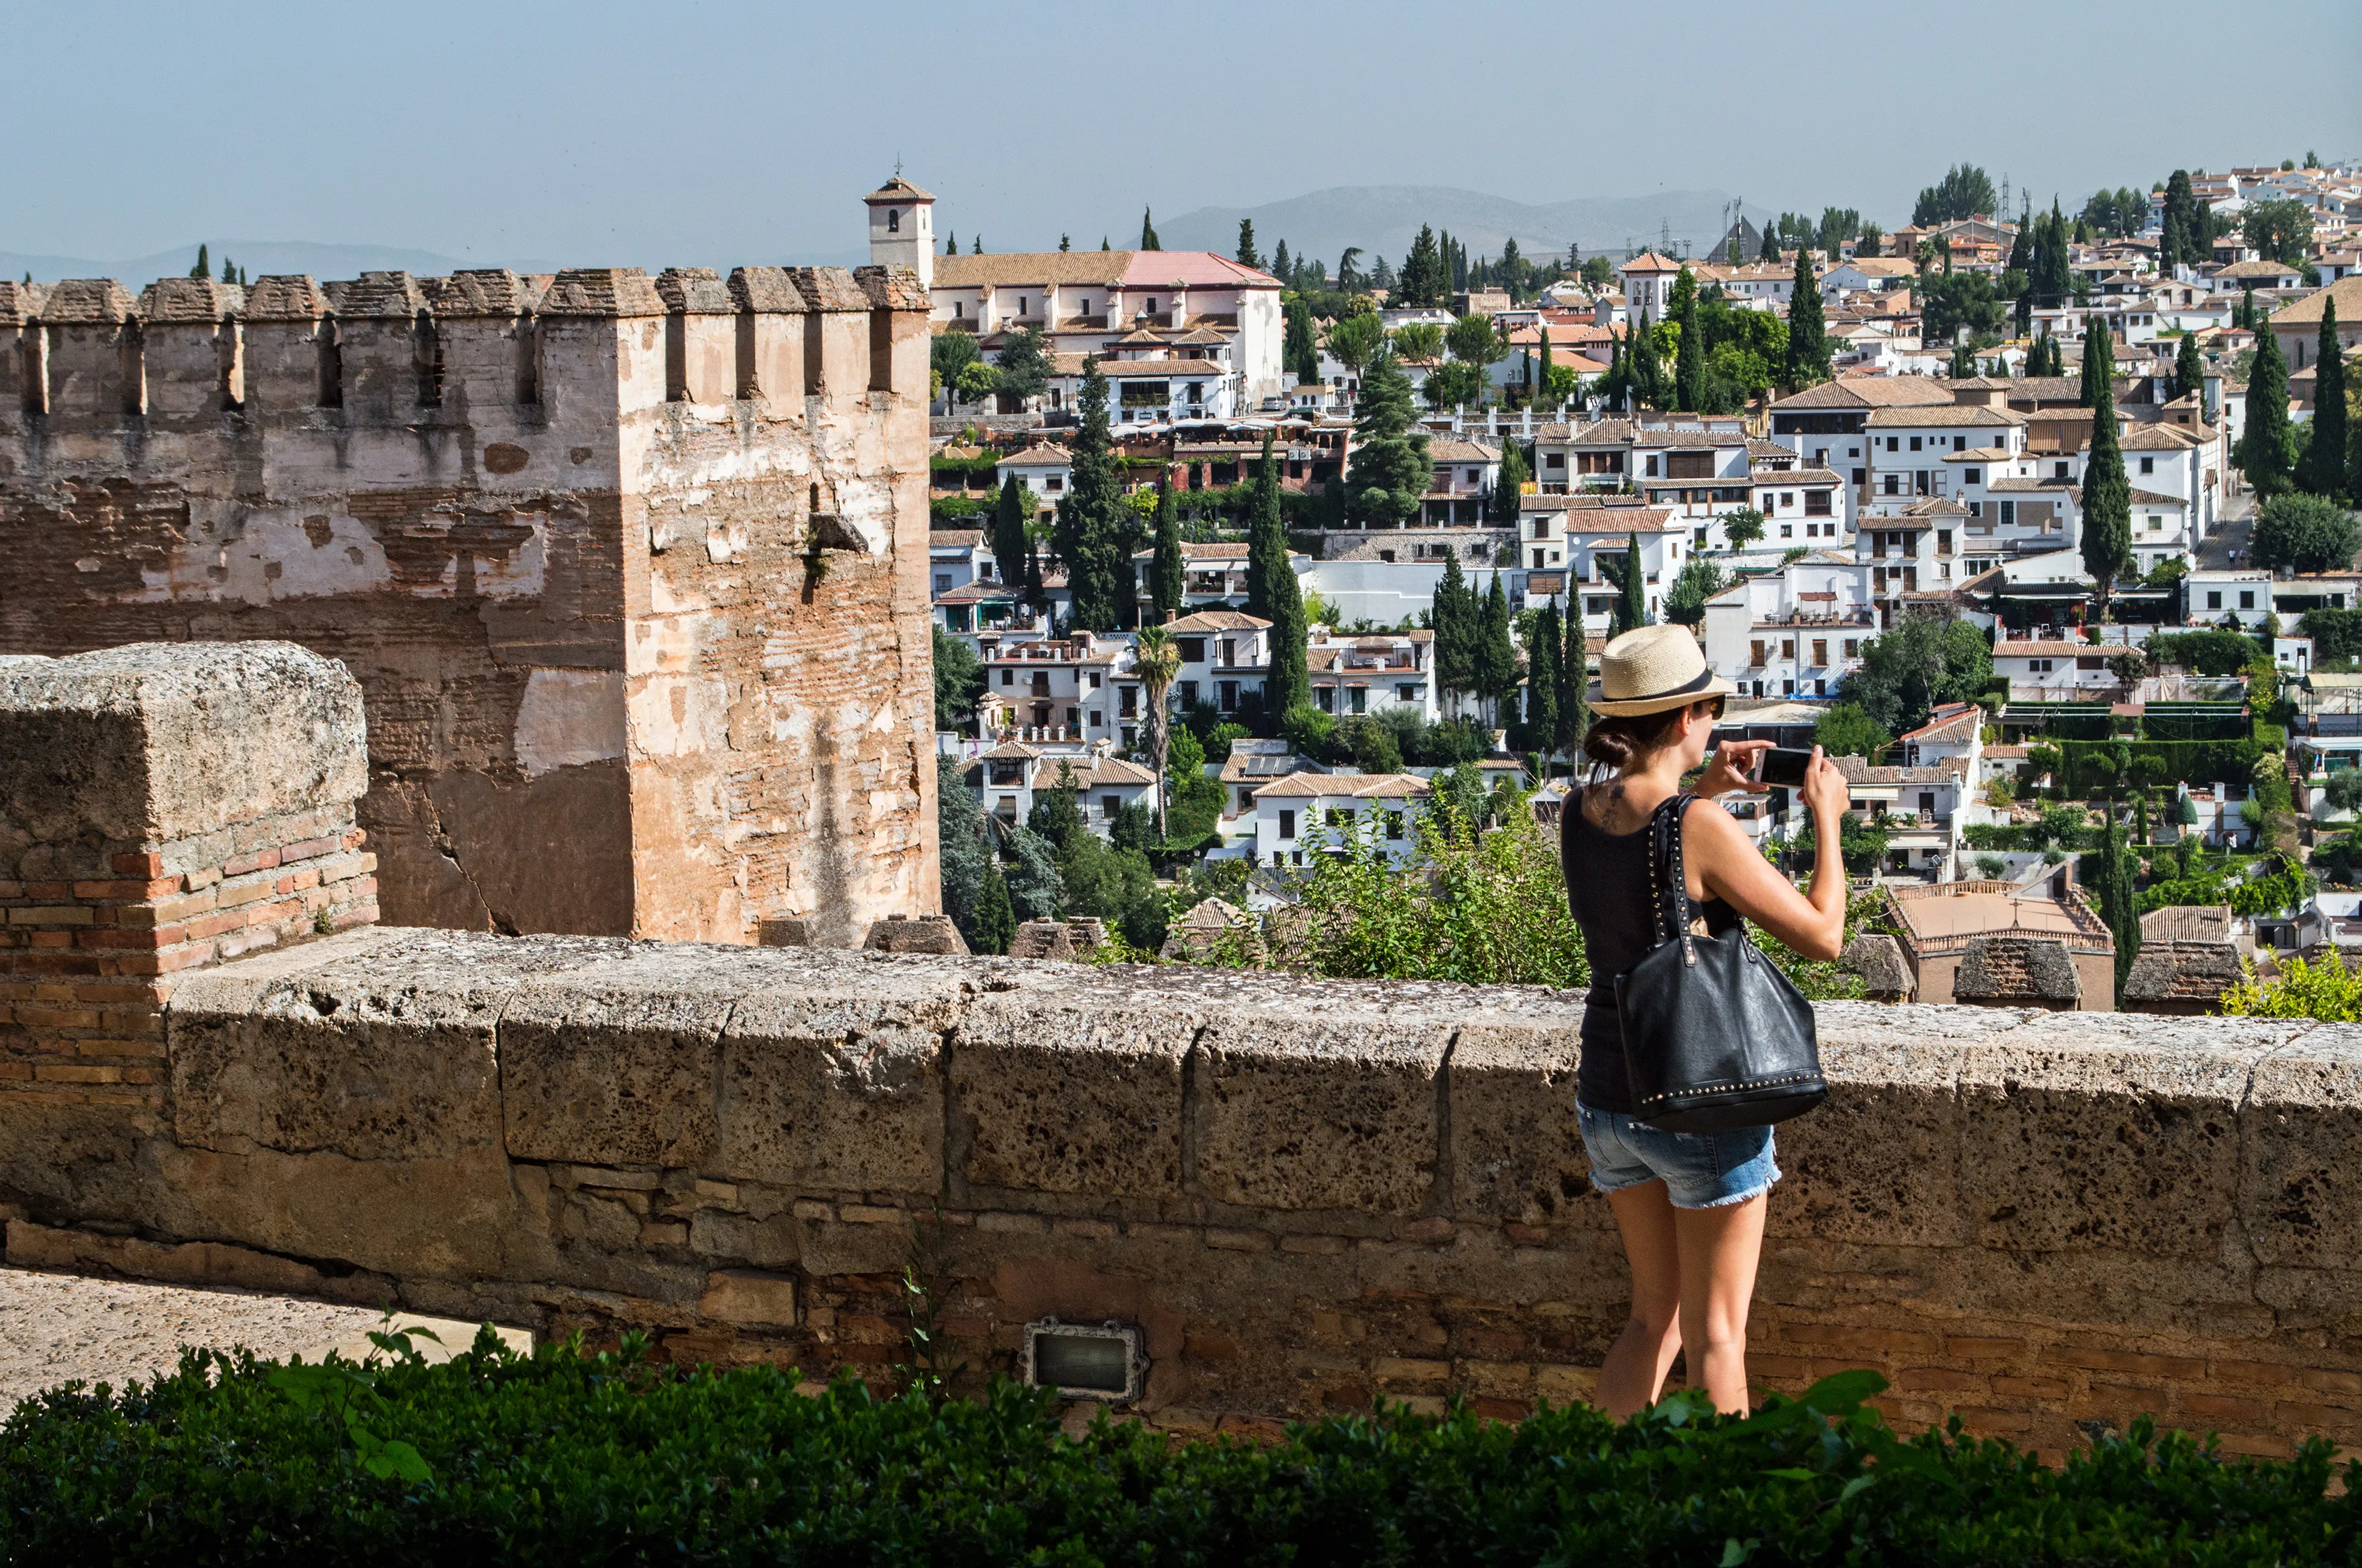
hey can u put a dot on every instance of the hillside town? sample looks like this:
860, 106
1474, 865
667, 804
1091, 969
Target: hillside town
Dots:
2035, 518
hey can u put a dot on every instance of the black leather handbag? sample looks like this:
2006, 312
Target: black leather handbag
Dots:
1715, 1035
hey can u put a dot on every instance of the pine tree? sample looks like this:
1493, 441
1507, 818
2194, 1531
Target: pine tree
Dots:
2107, 506
2266, 450
2324, 468
1009, 543
2189, 370
1386, 474
1497, 653
1689, 353
1103, 242
1808, 340
1423, 279
1281, 267
2099, 386
1065, 243
1455, 642
1148, 232
1092, 534
1273, 593
1164, 569
1542, 682
203, 268
1247, 257
1631, 605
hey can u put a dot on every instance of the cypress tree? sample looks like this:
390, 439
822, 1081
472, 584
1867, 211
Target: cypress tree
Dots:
1496, 654
2107, 505
1620, 372
2324, 468
2189, 370
1247, 257
1574, 680
1388, 473
1643, 369
1298, 352
1165, 570
1689, 356
2183, 237
203, 268
1770, 249
2245, 316
1273, 594
1424, 280
1511, 485
2266, 450
995, 916
1456, 649
1009, 543
1808, 341
1543, 683
1281, 267
2099, 386
1543, 390
1632, 604
1148, 232
2120, 904
1092, 534
2021, 262
2051, 284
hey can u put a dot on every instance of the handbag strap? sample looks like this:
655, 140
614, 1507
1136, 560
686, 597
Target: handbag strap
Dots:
1668, 874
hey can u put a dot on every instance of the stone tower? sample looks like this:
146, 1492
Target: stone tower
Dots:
902, 228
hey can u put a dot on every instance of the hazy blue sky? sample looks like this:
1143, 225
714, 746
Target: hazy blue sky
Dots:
591, 132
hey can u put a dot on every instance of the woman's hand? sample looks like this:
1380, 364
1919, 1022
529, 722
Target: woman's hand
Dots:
1732, 767
1825, 792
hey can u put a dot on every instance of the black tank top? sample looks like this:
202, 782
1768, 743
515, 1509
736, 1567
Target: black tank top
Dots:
1607, 891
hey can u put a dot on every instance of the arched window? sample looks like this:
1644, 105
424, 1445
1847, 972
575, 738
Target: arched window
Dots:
893, 220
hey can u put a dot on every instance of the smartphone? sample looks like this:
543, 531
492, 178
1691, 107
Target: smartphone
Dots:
1785, 766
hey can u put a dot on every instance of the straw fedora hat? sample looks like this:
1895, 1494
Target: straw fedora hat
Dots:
1651, 669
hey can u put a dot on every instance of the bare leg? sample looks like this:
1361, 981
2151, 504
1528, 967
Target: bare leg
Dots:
1718, 1249
1636, 1364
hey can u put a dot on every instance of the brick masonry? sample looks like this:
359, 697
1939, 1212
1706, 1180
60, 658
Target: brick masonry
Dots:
1309, 1194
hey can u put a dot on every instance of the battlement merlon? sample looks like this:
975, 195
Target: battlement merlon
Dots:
87, 356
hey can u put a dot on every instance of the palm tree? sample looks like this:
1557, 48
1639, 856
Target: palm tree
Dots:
1157, 659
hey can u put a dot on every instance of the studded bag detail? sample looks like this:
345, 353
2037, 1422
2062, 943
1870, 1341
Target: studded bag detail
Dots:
1715, 1035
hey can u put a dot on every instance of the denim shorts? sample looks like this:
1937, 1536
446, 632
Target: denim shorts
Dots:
1700, 1171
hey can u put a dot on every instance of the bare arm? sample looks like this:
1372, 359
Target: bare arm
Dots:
1722, 864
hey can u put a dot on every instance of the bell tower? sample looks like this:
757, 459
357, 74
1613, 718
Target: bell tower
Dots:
902, 228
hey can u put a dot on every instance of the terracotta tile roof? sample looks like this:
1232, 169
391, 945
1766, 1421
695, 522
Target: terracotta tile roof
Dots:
2017, 969
1091, 773
1949, 416
1355, 786
1044, 456
1218, 620
955, 538
1947, 725
1452, 449
1102, 269
1869, 393
2187, 923
2197, 972
2044, 648
1649, 261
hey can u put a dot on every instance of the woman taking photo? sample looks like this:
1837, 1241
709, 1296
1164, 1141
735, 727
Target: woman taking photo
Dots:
1690, 1206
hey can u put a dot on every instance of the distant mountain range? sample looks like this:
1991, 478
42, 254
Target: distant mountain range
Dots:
1384, 219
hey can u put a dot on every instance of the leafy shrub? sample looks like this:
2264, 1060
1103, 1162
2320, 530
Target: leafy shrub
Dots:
2327, 990
2308, 533
2211, 651
574, 1459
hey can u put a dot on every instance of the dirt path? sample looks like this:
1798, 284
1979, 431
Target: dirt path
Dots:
55, 1328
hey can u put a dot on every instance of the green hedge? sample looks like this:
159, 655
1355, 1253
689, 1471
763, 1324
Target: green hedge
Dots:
561, 1459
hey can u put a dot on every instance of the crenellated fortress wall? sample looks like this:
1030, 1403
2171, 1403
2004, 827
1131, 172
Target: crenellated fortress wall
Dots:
632, 571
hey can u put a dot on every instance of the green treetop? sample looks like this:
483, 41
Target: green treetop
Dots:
1573, 681
1454, 620
1425, 280
1689, 353
1247, 257
1386, 476
1496, 654
1298, 350
1515, 473
203, 268
1542, 682
1010, 544
2188, 368
1148, 240
1631, 610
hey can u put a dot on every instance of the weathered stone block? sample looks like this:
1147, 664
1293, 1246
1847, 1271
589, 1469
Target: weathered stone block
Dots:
832, 1069
1322, 1094
2301, 1151
1072, 1083
153, 741
1517, 1147
750, 1297
2109, 1130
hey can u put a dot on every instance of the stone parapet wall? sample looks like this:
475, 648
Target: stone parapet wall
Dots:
1309, 1194
163, 807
